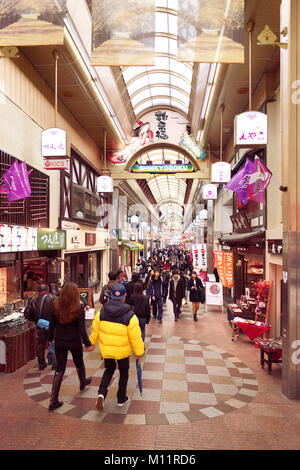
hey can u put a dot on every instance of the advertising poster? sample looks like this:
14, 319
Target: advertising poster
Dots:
214, 293
123, 32
32, 22
224, 265
211, 31
200, 257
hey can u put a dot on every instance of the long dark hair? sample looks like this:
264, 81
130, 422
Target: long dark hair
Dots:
138, 289
67, 305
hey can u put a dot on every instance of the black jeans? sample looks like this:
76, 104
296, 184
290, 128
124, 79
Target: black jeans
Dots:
177, 307
110, 367
42, 338
61, 352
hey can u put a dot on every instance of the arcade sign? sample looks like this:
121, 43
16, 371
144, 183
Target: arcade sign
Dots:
250, 130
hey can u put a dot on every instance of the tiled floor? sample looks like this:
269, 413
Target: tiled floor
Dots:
200, 391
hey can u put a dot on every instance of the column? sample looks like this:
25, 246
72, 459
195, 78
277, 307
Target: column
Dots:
290, 115
210, 236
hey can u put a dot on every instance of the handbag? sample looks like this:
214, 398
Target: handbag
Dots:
42, 323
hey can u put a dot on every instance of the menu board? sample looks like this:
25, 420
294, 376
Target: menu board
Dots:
214, 293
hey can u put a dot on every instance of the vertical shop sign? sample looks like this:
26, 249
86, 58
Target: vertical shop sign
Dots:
3, 285
161, 117
224, 264
200, 257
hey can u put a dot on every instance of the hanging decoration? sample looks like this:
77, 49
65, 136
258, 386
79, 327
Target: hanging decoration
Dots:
211, 32
123, 33
16, 182
251, 181
34, 23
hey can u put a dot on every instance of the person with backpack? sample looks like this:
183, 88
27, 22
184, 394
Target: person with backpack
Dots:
41, 307
107, 289
116, 328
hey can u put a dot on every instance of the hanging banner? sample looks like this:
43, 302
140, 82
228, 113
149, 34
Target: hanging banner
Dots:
200, 257
211, 31
240, 181
250, 129
16, 182
32, 23
214, 293
123, 32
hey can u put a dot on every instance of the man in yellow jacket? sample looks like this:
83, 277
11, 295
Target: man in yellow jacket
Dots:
117, 329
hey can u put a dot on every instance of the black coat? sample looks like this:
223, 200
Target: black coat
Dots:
196, 295
180, 290
33, 308
69, 332
129, 288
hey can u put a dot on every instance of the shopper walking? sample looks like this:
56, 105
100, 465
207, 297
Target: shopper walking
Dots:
41, 307
141, 307
177, 293
147, 284
157, 295
196, 289
67, 328
117, 329
129, 286
107, 289
165, 283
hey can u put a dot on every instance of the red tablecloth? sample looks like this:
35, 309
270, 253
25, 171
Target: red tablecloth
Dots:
251, 330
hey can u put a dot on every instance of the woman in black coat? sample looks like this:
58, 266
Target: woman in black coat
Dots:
196, 289
67, 328
141, 307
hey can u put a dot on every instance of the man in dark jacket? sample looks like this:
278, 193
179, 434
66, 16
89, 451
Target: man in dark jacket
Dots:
157, 295
165, 284
177, 293
107, 289
41, 306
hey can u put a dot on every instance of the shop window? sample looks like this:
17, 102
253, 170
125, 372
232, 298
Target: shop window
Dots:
32, 211
93, 268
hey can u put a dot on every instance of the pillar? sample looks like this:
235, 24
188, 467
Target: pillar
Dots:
210, 236
290, 122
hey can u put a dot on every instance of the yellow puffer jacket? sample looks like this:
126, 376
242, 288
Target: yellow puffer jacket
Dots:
117, 329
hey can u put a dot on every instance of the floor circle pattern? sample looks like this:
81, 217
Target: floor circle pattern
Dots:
184, 380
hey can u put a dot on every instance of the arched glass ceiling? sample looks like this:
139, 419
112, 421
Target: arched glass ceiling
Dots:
167, 188
168, 83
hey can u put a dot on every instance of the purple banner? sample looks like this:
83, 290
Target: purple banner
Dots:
16, 182
259, 181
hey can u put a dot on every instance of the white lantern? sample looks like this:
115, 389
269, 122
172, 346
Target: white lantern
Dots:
220, 172
209, 191
134, 219
54, 143
104, 184
250, 129
203, 214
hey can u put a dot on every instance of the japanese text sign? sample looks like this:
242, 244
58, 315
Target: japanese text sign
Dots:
54, 143
250, 129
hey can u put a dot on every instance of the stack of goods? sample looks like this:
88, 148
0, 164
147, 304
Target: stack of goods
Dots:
273, 345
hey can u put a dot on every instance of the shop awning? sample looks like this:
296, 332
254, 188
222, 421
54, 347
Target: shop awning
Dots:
139, 245
242, 237
130, 245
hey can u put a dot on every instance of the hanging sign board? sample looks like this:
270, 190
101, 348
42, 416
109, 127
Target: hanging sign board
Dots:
183, 168
209, 191
51, 239
251, 129
214, 293
220, 172
104, 184
224, 265
200, 257
54, 143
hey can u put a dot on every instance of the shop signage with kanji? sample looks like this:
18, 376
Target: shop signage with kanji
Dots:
275, 247
209, 191
251, 129
90, 239
51, 239
54, 143
224, 265
220, 172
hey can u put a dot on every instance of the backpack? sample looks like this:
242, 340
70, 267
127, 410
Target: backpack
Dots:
106, 294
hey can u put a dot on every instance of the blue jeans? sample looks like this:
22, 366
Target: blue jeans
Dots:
142, 322
157, 303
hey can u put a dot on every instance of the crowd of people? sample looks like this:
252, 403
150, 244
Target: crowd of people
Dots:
119, 326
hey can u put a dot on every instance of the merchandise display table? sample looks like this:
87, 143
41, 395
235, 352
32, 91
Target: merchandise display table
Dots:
253, 329
272, 348
17, 346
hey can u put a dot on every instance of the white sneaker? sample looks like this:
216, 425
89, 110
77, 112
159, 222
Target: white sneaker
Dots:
127, 400
100, 403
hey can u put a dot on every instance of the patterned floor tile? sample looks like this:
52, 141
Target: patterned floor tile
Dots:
184, 381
